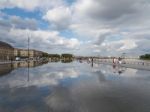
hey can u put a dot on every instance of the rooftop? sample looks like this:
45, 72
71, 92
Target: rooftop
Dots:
5, 45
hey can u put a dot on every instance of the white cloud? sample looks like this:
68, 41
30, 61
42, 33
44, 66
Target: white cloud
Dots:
60, 17
127, 45
19, 3
19, 23
115, 27
30, 5
49, 41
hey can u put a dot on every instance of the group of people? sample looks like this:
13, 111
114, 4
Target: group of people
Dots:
117, 60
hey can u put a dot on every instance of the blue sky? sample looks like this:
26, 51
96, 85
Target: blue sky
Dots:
81, 27
27, 14
22, 13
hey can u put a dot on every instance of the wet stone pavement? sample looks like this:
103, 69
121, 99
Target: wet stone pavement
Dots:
73, 87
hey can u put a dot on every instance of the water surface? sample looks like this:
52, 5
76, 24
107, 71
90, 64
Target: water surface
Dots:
73, 87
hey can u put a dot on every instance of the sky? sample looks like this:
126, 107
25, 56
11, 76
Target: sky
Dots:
81, 27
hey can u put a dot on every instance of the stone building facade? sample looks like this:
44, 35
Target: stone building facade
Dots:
25, 53
6, 52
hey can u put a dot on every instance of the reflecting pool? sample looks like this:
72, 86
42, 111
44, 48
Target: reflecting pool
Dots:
73, 87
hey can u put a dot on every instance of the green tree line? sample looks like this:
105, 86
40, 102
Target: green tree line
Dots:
146, 56
60, 56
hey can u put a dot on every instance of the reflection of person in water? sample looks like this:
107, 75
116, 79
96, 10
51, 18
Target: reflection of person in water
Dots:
114, 68
118, 69
80, 60
121, 69
91, 62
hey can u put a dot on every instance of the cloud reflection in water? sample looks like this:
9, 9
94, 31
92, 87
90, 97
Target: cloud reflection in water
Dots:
91, 89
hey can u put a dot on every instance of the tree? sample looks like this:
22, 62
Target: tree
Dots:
45, 55
67, 56
54, 56
146, 56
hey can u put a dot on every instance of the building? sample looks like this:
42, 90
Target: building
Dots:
25, 53
6, 51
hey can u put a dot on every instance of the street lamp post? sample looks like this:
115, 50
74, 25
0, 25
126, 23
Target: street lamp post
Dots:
28, 47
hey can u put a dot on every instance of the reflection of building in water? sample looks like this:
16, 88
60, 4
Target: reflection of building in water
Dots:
28, 64
6, 51
23, 53
5, 69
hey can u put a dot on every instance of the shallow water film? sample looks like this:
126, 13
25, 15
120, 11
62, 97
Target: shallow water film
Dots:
73, 87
